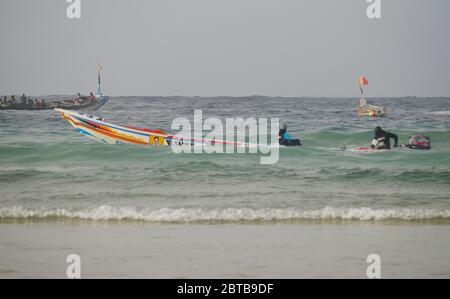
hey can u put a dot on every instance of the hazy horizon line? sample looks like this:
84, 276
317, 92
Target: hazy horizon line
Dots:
229, 96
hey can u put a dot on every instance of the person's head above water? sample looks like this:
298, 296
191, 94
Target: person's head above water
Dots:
378, 131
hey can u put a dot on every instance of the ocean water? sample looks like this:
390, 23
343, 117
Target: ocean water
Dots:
49, 172
145, 212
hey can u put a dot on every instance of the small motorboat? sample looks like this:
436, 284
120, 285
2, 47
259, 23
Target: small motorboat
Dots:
96, 128
73, 104
79, 103
371, 110
366, 109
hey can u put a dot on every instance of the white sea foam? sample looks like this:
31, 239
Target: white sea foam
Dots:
439, 113
167, 215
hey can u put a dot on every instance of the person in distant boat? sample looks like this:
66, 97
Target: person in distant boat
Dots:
23, 100
80, 99
5, 101
30, 103
285, 139
13, 101
91, 97
381, 140
37, 104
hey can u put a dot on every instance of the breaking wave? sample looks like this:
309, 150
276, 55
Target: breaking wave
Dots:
192, 215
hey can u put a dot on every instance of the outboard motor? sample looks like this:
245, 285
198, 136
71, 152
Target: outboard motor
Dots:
419, 142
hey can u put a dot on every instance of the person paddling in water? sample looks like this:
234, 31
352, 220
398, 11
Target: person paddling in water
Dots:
381, 140
285, 139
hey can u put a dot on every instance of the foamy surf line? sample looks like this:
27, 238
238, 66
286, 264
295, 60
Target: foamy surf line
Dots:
184, 215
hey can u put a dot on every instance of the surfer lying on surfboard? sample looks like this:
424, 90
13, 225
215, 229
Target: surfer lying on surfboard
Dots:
381, 140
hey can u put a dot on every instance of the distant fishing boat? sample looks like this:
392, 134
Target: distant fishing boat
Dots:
79, 103
366, 109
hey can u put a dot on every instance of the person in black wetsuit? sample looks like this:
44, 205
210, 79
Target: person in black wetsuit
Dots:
381, 140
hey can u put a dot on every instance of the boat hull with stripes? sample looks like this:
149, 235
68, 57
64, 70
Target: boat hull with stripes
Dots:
96, 128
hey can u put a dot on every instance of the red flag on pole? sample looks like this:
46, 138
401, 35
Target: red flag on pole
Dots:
363, 81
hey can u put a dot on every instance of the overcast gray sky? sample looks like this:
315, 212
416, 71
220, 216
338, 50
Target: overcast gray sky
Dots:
226, 47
